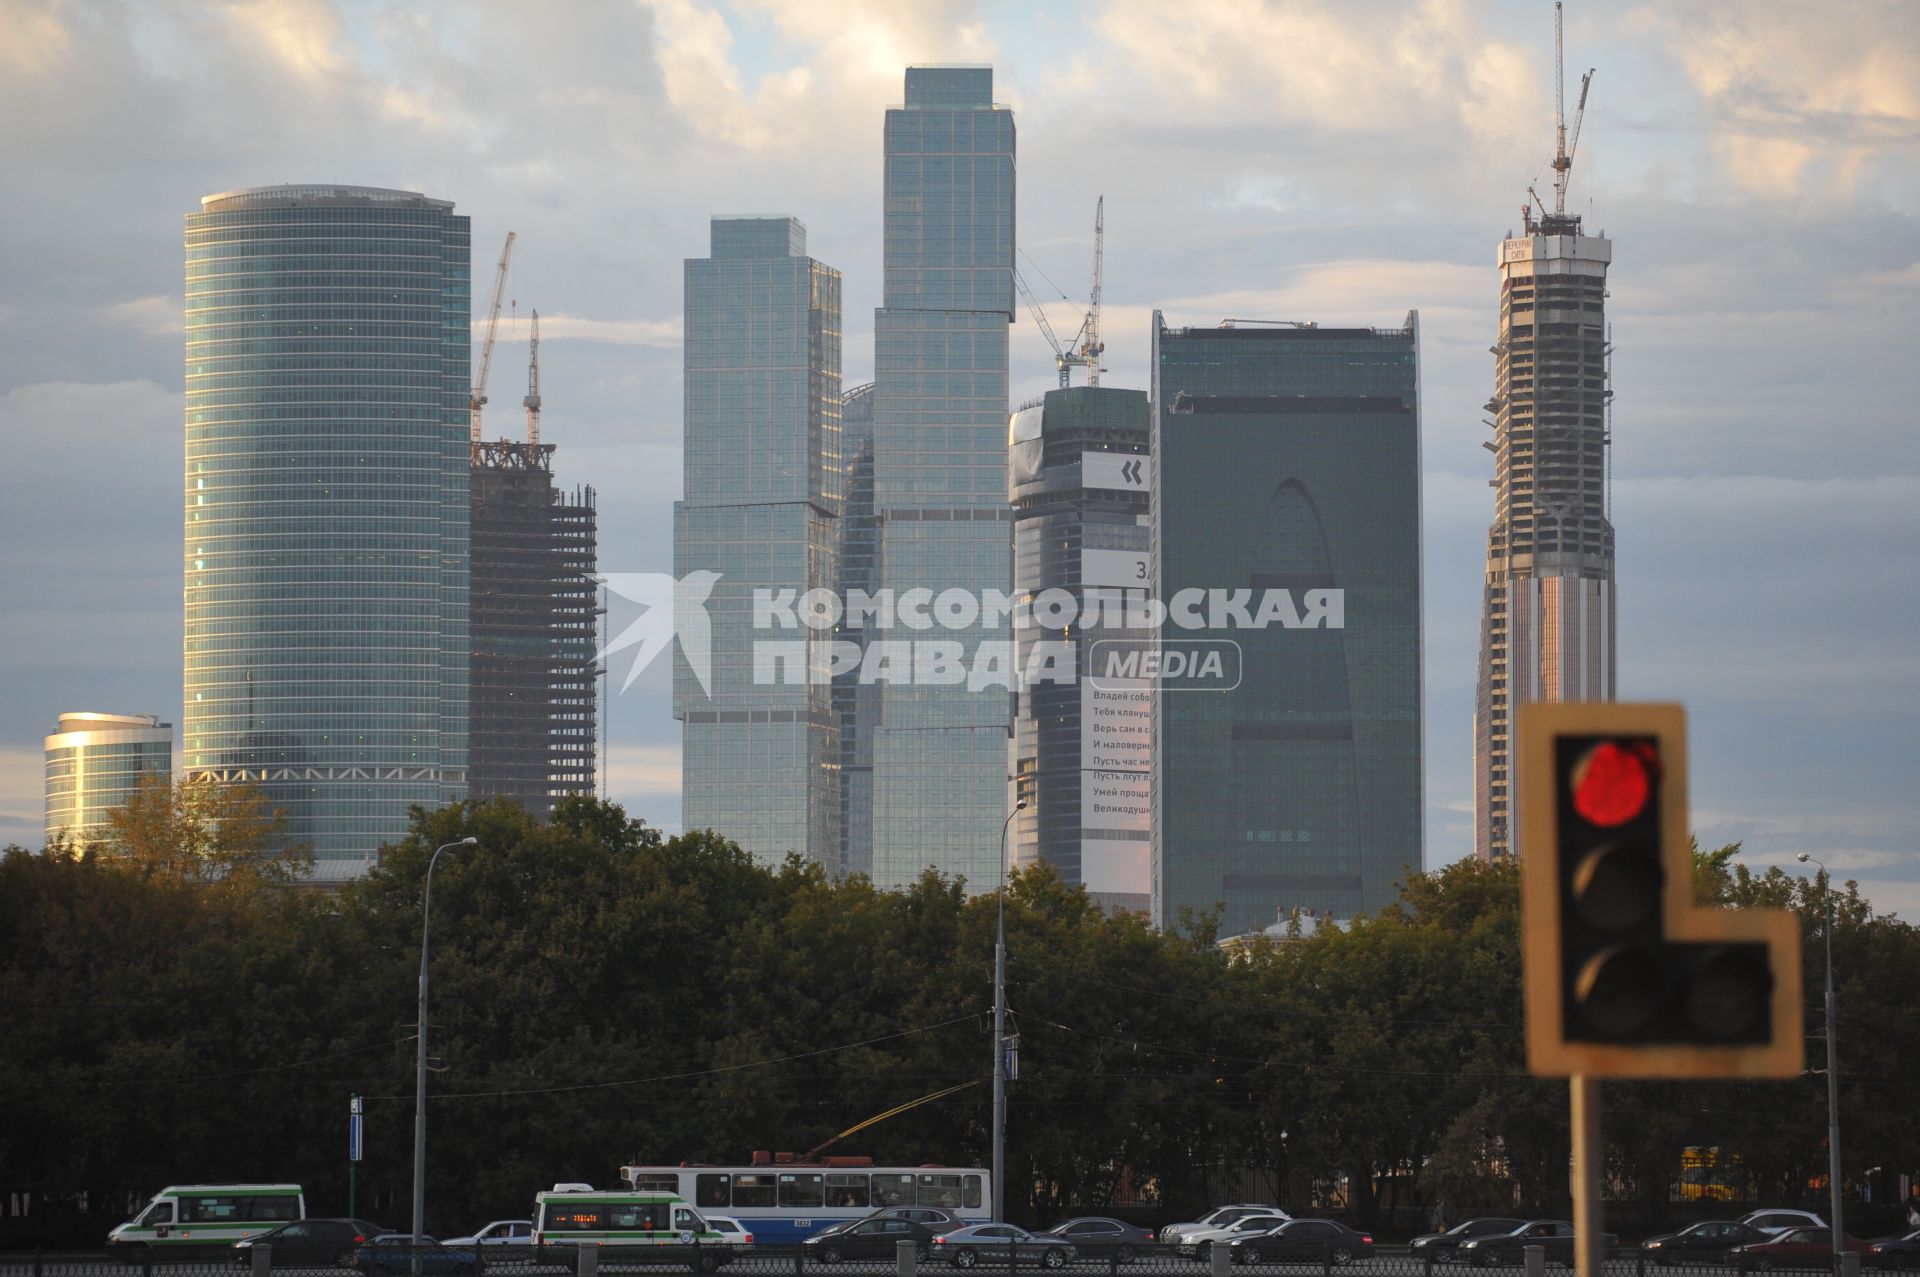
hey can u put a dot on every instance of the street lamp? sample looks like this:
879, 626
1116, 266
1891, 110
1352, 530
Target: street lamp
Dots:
1000, 1032
1833, 1069
420, 1075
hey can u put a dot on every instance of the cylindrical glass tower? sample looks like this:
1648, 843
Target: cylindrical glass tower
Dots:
327, 380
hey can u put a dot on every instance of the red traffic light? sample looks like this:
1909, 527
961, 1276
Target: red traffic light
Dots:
1612, 783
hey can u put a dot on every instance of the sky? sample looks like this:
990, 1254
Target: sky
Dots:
1755, 162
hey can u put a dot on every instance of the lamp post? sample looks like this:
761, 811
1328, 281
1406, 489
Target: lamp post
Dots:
420, 1074
1833, 1070
1000, 1031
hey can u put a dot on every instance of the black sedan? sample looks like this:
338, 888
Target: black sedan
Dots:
868, 1239
1893, 1252
1705, 1242
1445, 1246
1308, 1241
307, 1243
1097, 1236
1555, 1236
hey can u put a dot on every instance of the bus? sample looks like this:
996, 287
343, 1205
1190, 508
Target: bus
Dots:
185, 1216
574, 1215
782, 1202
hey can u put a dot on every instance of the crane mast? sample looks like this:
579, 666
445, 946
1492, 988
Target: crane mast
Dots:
532, 401
1563, 146
478, 399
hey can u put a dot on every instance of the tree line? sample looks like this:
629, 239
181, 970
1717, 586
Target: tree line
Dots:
604, 995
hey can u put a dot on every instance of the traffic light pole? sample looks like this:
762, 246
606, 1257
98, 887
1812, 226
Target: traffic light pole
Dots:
1833, 1090
1589, 1236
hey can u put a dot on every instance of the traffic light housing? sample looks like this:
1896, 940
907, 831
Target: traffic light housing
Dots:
1625, 976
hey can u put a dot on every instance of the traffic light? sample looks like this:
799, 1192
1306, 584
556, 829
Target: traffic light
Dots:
1625, 976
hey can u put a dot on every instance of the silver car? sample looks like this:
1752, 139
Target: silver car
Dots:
988, 1243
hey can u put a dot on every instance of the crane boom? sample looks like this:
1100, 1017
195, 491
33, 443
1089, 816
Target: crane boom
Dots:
1039, 316
532, 401
1091, 347
478, 399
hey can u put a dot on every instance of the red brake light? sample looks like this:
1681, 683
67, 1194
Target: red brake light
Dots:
1613, 782
358, 1239
1367, 1238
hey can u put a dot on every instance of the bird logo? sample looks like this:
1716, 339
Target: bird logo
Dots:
670, 607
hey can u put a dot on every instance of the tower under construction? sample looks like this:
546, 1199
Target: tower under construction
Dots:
535, 610
1548, 625
535, 613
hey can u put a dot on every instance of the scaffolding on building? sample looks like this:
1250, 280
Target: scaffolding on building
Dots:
536, 609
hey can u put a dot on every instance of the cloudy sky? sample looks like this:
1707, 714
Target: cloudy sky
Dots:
1757, 166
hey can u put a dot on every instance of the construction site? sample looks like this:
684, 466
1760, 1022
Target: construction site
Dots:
535, 681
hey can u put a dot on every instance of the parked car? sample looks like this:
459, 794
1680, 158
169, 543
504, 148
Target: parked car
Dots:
1198, 1243
1303, 1241
990, 1243
1097, 1236
501, 1232
1800, 1248
1893, 1252
1555, 1236
1776, 1222
1445, 1245
394, 1253
309, 1242
933, 1217
732, 1230
1708, 1242
1220, 1217
876, 1237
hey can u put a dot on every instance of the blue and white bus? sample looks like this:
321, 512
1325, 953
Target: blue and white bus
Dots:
787, 1201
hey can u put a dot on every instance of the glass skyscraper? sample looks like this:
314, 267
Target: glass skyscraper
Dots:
1287, 459
327, 373
760, 757
940, 462
95, 762
1081, 750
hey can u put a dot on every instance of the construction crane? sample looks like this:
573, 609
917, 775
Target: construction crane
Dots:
1564, 146
1086, 348
532, 401
478, 399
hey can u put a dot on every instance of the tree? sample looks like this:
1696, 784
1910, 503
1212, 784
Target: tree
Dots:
197, 830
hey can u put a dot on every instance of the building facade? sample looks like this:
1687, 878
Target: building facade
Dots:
1286, 468
856, 703
326, 548
95, 762
532, 718
760, 757
940, 463
1548, 617
1081, 751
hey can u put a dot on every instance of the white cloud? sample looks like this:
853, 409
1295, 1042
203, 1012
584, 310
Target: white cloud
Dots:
156, 316
663, 333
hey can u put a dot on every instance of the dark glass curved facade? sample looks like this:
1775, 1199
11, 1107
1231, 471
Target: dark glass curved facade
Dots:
326, 549
1287, 459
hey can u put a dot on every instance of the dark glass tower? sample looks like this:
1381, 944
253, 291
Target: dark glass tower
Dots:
1287, 458
940, 462
327, 371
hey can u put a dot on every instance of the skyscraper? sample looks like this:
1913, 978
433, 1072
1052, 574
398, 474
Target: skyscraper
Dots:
760, 756
326, 507
940, 462
1081, 748
535, 615
856, 703
1286, 466
95, 762
1548, 620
